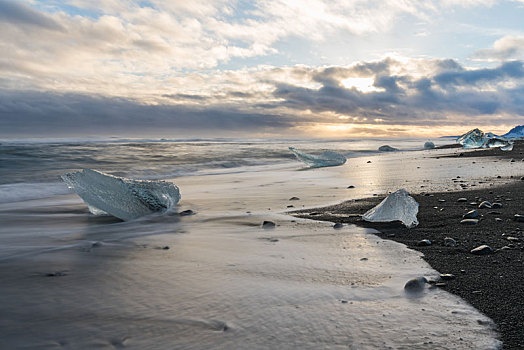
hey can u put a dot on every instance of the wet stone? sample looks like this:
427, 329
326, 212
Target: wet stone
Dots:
469, 221
462, 199
338, 225
294, 199
485, 205
186, 212
519, 218
351, 186
482, 250
424, 243
268, 224
447, 276
496, 205
449, 242
415, 284
472, 214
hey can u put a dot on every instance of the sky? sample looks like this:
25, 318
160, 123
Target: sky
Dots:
268, 68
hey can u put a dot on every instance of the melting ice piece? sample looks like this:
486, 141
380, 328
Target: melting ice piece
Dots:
398, 206
429, 145
126, 199
387, 148
327, 158
473, 139
497, 142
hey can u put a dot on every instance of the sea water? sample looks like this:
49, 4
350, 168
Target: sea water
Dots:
217, 279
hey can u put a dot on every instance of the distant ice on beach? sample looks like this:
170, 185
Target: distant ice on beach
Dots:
123, 198
325, 159
398, 206
476, 138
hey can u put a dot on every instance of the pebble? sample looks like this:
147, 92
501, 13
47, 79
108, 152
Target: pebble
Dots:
482, 250
440, 284
165, 247
472, 214
498, 219
469, 221
447, 276
449, 242
186, 213
363, 259
513, 239
462, 199
424, 243
338, 225
519, 218
56, 274
294, 199
496, 205
485, 205
268, 224
415, 284
290, 206
351, 186
368, 161
442, 200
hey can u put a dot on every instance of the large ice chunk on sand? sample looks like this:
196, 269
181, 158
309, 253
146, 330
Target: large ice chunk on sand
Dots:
499, 142
398, 206
473, 139
327, 158
126, 199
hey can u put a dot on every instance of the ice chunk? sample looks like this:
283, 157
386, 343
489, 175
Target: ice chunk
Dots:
126, 199
327, 158
473, 139
398, 206
429, 145
497, 142
387, 148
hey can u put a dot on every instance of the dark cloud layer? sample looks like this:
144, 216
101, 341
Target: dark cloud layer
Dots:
42, 114
448, 94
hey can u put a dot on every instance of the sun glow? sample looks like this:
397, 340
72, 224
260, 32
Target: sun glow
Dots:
362, 84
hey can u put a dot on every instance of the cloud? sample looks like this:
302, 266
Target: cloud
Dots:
21, 14
505, 48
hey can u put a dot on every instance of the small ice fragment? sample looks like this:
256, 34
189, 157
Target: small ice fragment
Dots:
123, 198
507, 147
429, 145
387, 148
398, 206
325, 159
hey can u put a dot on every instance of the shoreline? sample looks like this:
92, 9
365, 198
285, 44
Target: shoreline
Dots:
490, 283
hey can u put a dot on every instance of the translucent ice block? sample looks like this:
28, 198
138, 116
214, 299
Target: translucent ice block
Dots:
398, 206
327, 158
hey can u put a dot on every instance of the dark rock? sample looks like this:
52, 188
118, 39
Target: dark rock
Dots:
440, 284
513, 239
273, 240
498, 219
447, 276
294, 199
472, 214
268, 224
56, 274
462, 200
368, 161
186, 212
351, 186
424, 243
485, 205
441, 200
415, 284
482, 250
449, 242
469, 221
165, 247
387, 148
518, 218
290, 206
496, 205
363, 259
338, 225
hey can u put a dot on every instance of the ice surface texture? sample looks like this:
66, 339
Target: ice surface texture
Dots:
477, 139
398, 206
473, 139
429, 145
327, 158
126, 199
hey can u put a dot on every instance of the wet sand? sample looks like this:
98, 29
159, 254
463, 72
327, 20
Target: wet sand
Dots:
491, 283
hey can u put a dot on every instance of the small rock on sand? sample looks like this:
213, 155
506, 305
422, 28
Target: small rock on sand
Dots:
351, 186
472, 214
447, 276
449, 242
268, 224
485, 205
424, 243
415, 284
519, 218
496, 205
469, 221
186, 212
462, 199
294, 199
338, 225
482, 250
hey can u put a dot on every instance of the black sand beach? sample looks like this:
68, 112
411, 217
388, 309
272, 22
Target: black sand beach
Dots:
491, 283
